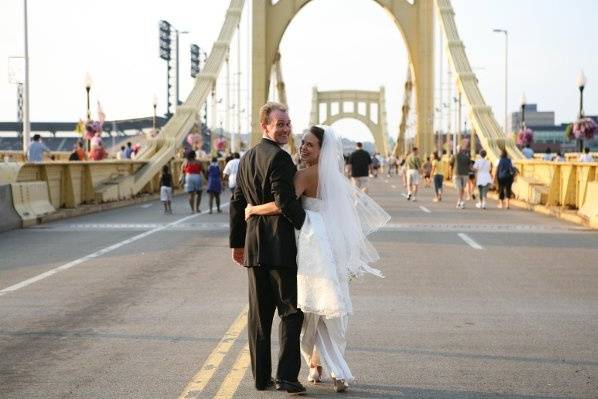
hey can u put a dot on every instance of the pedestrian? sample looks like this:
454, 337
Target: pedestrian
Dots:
97, 152
528, 152
78, 153
505, 174
214, 184
471, 183
461, 172
586, 156
122, 154
559, 157
230, 171
129, 150
547, 154
166, 189
35, 152
438, 171
193, 171
414, 166
375, 165
392, 164
360, 164
483, 169
427, 171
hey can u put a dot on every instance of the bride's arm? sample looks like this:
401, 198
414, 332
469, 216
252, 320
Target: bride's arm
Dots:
270, 208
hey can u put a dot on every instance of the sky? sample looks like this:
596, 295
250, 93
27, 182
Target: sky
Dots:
331, 44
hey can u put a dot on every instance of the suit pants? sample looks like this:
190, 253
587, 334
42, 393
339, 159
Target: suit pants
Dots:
270, 290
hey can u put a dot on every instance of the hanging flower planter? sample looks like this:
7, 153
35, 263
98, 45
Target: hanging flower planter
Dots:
194, 138
584, 129
525, 136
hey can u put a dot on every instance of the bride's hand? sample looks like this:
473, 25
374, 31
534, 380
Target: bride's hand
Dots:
248, 211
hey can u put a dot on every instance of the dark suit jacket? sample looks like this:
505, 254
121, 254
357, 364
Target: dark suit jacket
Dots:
266, 174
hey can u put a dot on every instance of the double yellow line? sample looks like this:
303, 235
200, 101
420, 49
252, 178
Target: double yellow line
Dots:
233, 379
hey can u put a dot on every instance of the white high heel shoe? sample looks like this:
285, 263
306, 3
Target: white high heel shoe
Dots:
315, 374
339, 385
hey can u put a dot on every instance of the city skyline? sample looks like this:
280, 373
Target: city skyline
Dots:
127, 72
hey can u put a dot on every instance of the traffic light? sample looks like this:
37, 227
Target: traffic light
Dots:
194, 60
165, 40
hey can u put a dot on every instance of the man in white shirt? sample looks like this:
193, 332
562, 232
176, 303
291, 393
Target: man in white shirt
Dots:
586, 156
230, 171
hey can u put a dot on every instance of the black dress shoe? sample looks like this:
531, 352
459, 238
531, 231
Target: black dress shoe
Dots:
269, 385
291, 387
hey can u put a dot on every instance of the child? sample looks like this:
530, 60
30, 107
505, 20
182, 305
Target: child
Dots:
166, 189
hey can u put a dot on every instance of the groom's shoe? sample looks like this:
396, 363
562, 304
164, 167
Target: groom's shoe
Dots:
291, 387
265, 387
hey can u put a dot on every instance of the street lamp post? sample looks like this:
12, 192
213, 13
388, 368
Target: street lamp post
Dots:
506, 72
581, 84
26, 117
87, 90
155, 105
523, 101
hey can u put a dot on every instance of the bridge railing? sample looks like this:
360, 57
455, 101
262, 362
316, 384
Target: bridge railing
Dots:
570, 185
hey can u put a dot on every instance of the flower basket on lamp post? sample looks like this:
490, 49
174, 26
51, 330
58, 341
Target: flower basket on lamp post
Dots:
525, 136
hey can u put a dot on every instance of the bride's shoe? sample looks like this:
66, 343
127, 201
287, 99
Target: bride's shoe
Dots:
339, 385
315, 374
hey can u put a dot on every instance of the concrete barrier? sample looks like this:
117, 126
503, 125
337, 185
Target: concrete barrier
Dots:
31, 201
9, 218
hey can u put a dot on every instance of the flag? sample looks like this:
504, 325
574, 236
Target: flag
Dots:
80, 127
101, 115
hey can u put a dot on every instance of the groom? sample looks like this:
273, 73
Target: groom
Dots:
266, 246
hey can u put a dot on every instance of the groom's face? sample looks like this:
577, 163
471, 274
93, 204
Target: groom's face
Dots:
278, 128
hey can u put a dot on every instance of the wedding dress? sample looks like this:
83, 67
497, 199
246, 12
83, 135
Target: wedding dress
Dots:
332, 248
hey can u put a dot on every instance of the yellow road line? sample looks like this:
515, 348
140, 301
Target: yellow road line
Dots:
203, 376
233, 379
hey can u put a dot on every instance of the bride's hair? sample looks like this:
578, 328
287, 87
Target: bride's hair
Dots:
319, 133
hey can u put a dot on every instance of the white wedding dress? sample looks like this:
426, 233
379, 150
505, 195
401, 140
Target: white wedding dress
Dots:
332, 248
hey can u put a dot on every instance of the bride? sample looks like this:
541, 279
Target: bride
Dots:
331, 250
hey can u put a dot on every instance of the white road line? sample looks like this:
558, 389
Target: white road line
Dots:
469, 241
94, 255
423, 208
145, 205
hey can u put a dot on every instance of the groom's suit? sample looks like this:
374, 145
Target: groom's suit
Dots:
266, 174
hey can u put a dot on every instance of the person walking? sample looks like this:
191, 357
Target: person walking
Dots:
438, 173
427, 172
461, 172
35, 152
414, 165
392, 164
505, 174
230, 171
483, 169
166, 189
266, 246
214, 184
586, 156
527, 151
193, 172
360, 164
128, 151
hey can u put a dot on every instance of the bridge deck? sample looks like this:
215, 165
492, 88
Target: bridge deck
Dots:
490, 304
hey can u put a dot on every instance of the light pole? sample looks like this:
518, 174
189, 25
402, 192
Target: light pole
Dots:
506, 71
26, 121
88, 83
581, 84
523, 101
155, 105
176, 94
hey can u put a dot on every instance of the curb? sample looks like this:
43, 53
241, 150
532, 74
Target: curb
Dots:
557, 212
95, 208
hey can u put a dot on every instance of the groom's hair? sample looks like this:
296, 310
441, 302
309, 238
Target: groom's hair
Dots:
318, 132
268, 108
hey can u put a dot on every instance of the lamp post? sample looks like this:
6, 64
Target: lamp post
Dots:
155, 105
88, 83
523, 101
581, 84
26, 117
506, 71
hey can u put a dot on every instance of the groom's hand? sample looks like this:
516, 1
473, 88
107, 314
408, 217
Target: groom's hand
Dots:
239, 255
